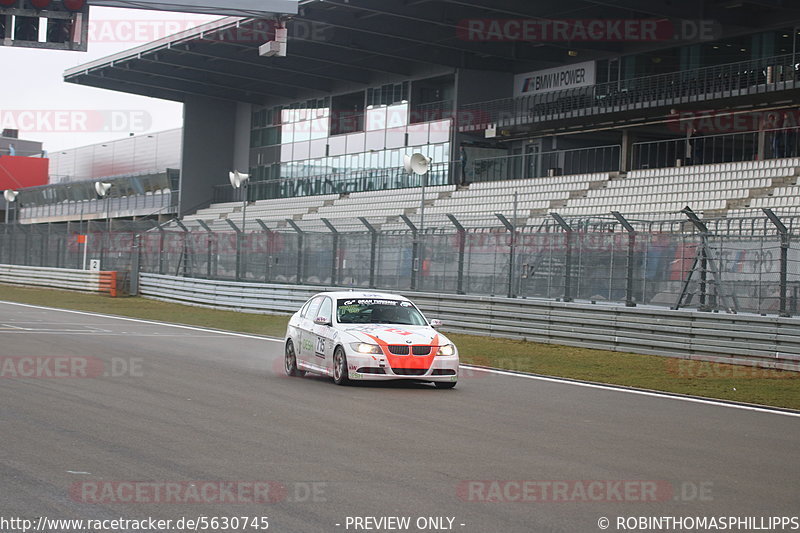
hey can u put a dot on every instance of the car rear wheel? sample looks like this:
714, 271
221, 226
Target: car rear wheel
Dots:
445, 384
340, 367
290, 362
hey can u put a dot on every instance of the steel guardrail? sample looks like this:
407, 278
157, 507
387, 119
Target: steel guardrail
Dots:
57, 278
752, 340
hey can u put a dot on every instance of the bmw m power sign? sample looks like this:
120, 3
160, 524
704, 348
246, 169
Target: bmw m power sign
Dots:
555, 79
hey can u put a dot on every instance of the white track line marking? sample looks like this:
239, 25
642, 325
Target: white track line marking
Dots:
640, 392
150, 322
653, 394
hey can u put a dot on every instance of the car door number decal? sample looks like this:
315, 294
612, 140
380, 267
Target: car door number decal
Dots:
320, 350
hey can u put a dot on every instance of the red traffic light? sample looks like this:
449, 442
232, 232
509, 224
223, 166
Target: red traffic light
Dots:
40, 4
74, 5
8, 3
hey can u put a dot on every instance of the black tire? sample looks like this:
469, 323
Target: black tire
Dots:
340, 373
445, 384
290, 362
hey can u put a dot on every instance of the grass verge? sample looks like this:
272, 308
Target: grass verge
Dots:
727, 382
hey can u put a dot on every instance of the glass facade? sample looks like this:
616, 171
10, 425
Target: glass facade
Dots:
356, 132
707, 54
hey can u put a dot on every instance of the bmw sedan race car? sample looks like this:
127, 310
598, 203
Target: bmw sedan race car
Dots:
368, 336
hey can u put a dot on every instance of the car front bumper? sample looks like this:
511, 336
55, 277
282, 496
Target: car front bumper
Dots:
362, 367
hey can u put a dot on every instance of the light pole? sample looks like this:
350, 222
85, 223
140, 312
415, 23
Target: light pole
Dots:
420, 165
11, 197
102, 189
240, 180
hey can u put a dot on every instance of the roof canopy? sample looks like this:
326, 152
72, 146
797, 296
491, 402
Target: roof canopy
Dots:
354, 43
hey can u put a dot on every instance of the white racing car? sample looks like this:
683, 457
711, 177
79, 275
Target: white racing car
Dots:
368, 336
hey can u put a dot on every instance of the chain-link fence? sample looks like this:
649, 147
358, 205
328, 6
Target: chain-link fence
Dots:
746, 265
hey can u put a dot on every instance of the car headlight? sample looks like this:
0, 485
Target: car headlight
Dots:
447, 349
364, 348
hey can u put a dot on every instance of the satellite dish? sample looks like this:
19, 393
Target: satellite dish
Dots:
238, 178
417, 164
102, 188
10, 195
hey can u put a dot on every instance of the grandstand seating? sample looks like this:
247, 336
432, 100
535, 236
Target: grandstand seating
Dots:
732, 189
714, 188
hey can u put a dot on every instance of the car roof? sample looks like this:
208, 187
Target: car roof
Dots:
362, 294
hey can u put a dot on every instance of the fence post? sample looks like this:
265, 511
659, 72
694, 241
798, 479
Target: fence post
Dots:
784, 260
511, 252
59, 247
629, 301
209, 242
45, 244
300, 235
335, 252
414, 251
27, 255
701, 258
161, 241
373, 252
4, 245
268, 271
462, 244
135, 264
238, 231
567, 256
185, 249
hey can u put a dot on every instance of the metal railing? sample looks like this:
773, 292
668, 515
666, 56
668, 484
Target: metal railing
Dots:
537, 165
758, 76
697, 149
431, 112
136, 195
333, 183
632, 262
149, 204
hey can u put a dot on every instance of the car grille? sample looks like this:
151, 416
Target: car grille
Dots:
443, 372
367, 370
402, 349
409, 371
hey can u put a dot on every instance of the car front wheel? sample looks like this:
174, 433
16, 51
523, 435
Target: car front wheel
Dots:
290, 361
340, 367
445, 384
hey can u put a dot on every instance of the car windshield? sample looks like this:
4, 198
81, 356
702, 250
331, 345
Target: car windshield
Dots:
375, 311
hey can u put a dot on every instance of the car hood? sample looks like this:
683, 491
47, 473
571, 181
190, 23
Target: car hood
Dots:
394, 334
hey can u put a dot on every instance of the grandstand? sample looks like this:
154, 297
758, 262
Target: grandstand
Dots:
715, 191
559, 168
705, 119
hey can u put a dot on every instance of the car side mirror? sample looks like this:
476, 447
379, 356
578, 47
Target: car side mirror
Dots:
436, 323
322, 321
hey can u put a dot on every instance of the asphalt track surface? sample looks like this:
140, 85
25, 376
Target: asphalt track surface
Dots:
187, 405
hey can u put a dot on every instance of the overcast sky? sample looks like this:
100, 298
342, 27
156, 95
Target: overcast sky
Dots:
34, 97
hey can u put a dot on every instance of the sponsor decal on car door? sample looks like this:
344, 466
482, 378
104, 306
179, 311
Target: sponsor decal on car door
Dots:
325, 335
308, 336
